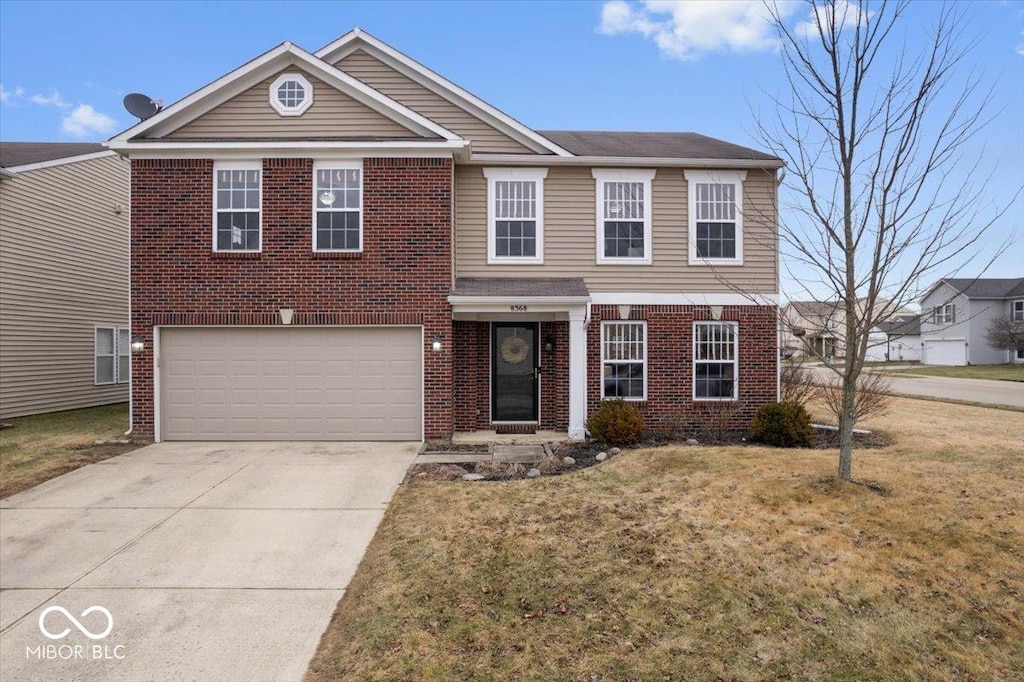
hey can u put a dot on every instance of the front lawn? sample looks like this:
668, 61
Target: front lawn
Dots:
40, 447
703, 563
1003, 372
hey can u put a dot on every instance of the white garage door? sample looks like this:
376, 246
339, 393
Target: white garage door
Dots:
299, 383
945, 352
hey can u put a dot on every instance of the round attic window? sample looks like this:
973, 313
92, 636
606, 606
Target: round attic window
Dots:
291, 94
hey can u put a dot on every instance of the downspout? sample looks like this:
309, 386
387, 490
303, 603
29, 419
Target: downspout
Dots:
131, 374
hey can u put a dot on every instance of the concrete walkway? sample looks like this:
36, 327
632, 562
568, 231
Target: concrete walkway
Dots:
216, 562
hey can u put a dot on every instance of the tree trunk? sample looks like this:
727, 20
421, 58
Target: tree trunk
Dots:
846, 422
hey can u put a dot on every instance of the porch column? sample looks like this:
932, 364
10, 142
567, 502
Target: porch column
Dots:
577, 373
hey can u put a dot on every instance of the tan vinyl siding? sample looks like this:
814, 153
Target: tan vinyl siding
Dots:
381, 77
332, 114
570, 236
63, 269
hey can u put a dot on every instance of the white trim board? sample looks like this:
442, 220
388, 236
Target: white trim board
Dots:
439, 85
289, 149
624, 161
24, 168
251, 73
682, 298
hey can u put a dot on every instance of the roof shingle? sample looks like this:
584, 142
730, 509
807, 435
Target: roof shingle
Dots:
23, 153
976, 287
651, 145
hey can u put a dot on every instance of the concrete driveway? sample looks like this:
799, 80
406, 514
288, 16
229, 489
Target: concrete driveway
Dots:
986, 391
215, 561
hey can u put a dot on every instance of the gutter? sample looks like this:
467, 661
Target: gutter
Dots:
620, 161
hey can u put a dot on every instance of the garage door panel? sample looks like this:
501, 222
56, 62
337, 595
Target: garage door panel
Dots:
945, 352
356, 383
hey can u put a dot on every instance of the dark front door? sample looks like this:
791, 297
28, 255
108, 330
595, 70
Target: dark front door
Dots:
514, 372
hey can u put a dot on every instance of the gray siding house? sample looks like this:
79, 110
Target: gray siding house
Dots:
956, 314
64, 334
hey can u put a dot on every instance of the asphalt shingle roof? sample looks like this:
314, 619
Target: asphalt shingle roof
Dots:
903, 324
23, 153
653, 145
526, 287
976, 287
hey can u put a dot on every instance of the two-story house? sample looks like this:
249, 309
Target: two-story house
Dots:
956, 313
347, 246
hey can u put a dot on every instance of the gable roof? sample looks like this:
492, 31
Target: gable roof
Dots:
652, 145
985, 288
902, 325
811, 309
27, 153
249, 74
360, 39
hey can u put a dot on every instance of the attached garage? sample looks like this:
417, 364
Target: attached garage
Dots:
944, 352
291, 383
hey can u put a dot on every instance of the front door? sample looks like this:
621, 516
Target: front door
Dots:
514, 372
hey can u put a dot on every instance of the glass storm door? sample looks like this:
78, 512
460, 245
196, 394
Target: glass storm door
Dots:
514, 372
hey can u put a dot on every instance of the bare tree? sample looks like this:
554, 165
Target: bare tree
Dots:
872, 398
797, 383
1005, 333
871, 135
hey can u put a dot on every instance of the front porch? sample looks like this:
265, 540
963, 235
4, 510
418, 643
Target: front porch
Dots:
519, 354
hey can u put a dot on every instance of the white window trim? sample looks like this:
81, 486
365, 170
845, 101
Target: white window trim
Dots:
1013, 310
735, 361
645, 176
693, 177
115, 355
291, 111
236, 166
536, 175
944, 314
604, 325
339, 164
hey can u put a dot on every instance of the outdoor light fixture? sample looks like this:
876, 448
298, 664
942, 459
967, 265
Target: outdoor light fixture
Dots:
549, 344
437, 343
286, 315
138, 344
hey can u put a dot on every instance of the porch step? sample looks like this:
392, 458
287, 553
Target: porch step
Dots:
508, 429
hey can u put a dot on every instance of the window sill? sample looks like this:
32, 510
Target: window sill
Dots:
716, 261
343, 255
625, 400
624, 261
236, 254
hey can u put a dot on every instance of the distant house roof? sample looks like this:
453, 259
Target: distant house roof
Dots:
902, 325
23, 153
977, 287
809, 309
652, 145
521, 287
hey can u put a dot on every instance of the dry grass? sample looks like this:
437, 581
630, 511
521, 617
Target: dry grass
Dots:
43, 446
708, 563
1000, 372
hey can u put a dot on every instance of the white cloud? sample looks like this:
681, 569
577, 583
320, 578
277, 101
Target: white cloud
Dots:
1020, 48
8, 96
52, 100
847, 16
85, 121
685, 29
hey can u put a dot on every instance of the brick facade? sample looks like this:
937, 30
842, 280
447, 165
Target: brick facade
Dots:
403, 275
670, 407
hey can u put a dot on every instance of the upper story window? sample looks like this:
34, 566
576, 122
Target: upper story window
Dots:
715, 354
1017, 312
944, 314
624, 360
237, 200
291, 94
623, 216
338, 206
515, 215
715, 210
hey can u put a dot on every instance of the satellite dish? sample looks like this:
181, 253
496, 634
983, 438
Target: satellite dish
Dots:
141, 106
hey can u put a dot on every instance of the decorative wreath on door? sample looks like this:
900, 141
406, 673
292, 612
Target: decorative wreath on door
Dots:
514, 350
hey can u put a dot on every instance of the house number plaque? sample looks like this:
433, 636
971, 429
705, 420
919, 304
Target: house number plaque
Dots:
518, 308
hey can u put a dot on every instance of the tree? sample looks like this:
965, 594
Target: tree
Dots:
874, 139
1005, 333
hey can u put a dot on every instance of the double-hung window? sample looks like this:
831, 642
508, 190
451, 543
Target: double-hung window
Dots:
515, 215
623, 216
624, 360
944, 314
111, 355
237, 202
715, 209
338, 206
715, 361
1017, 312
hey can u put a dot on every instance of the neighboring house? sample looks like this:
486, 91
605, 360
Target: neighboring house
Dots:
902, 339
63, 277
812, 328
956, 314
347, 246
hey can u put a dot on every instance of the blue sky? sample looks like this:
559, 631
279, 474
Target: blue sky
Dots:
64, 67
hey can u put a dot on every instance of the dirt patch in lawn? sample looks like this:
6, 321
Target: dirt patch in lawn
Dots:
43, 446
699, 563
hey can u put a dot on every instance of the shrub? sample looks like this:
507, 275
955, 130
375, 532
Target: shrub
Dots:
784, 425
617, 422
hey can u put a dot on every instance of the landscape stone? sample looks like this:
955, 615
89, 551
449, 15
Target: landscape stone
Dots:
601, 456
615, 451
473, 477
533, 473
568, 460
692, 441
